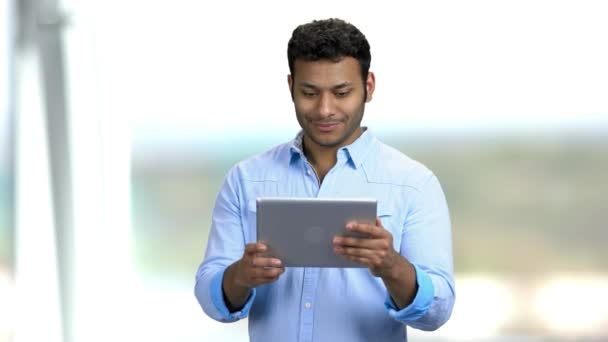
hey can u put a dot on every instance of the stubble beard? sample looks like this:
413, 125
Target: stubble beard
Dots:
305, 124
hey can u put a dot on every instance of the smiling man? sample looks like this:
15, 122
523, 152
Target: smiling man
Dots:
407, 256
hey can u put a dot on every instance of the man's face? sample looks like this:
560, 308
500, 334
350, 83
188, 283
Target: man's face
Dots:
329, 99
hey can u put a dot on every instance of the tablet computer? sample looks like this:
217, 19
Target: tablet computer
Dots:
299, 231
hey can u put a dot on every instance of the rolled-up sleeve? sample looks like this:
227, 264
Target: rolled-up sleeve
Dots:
421, 303
427, 244
225, 246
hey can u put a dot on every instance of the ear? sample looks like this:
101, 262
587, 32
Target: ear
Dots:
370, 84
290, 84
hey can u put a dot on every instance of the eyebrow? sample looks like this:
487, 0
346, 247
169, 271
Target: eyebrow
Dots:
337, 86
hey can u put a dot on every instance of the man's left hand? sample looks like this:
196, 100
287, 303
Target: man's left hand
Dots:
376, 251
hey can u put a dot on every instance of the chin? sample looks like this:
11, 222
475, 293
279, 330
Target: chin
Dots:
329, 142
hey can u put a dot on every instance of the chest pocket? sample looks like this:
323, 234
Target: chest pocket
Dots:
255, 189
390, 221
249, 221
389, 202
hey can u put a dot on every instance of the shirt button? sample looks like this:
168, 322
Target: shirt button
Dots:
307, 305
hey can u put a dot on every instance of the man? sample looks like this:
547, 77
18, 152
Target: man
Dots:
407, 279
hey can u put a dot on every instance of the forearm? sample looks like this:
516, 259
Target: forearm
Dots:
401, 282
426, 244
235, 295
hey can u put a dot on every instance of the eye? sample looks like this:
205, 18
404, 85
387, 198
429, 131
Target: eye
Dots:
343, 93
309, 94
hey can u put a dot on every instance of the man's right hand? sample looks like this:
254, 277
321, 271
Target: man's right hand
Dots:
248, 272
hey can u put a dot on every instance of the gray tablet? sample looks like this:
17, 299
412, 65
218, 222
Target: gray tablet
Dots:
299, 231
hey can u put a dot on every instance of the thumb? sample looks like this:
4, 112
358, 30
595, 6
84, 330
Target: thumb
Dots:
379, 222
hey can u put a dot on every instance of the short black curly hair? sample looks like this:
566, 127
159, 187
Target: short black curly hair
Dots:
330, 39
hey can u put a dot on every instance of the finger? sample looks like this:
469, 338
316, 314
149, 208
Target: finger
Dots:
266, 262
255, 247
379, 244
379, 222
360, 260
363, 257
365, 228
359, 252
262, 281
251, 275
268, 274
271, 272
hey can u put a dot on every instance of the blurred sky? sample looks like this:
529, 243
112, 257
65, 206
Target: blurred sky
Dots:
196, 71
5, 32
193, 71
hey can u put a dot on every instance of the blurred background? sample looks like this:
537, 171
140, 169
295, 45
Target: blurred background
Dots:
119, 120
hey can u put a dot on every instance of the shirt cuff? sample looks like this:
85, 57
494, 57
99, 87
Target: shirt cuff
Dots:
421, 303
217, 296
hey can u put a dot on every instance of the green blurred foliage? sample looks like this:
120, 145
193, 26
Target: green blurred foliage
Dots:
519, 204
6, 222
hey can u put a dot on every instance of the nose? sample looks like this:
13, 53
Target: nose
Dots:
326, 105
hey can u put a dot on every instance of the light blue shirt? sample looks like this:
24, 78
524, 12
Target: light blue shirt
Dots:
334, 304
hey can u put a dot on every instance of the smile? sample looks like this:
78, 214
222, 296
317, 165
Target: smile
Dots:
326, 127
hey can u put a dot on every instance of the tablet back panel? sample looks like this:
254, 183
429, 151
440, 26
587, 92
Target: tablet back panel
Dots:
299, 231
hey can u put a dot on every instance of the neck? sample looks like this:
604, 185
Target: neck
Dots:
323, 158
320, 157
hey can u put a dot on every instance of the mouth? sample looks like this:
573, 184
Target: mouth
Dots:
326, 127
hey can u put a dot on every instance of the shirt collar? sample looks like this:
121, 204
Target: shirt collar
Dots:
355, 152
